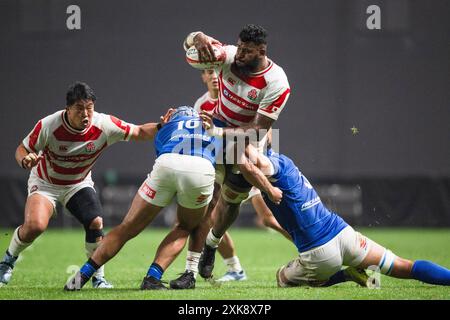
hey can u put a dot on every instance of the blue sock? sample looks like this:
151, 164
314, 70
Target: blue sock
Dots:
89, 268
336, 278
429, 272
155, 271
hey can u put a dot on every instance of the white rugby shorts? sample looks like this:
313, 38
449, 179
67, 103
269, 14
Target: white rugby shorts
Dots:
55, 192
316, 266
190, 178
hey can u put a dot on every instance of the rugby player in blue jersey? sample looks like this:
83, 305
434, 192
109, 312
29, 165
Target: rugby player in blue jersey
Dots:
325, 242
184, 168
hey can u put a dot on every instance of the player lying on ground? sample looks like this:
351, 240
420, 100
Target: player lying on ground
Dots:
60, 152
253, 92
184, 168
325, 242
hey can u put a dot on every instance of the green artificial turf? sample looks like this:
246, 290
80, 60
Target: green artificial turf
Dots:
44, 268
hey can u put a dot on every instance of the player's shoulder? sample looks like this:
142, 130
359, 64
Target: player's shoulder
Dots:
54, 119
99, 118
276, 75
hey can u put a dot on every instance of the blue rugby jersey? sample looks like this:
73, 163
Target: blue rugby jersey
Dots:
301, 212
185, 135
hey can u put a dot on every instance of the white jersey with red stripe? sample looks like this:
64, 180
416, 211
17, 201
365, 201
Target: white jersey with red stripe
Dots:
205, 103
241, 97
69, 154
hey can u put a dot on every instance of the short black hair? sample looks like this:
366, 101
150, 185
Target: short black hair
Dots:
79, 91
253, 33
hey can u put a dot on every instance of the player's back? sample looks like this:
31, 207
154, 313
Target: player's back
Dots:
301, 211
185, 135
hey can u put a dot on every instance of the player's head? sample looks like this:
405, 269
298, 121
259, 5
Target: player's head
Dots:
184, 111
80, 100
209, 77
251, 48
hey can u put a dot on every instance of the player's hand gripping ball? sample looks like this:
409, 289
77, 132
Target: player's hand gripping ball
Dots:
193, 59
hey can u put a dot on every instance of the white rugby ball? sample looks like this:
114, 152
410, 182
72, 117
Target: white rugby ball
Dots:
192, 58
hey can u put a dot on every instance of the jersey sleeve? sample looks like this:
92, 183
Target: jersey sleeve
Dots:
115, 129
275, 99
36, 140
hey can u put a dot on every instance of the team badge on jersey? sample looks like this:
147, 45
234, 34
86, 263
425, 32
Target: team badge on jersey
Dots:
90, 147
252, 94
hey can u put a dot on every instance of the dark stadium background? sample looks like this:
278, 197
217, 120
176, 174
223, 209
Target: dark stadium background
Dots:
391, 84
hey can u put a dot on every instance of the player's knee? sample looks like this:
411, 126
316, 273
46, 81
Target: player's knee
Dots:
32, 229
94, 235
94, 230
96, 223
387, 262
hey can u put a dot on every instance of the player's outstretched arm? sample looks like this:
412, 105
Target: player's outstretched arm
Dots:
25, 159
204, 45
149, 130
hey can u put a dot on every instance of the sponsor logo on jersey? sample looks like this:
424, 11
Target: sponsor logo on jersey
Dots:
252, 94
310, 203
231, 81
90, 147
149, 192
63, 148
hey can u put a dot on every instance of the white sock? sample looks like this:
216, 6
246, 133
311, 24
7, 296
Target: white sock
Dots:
212, 240
192, 259
16, 246
90, 248
233, 264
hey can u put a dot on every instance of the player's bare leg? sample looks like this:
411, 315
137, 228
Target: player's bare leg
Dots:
198, 235
389, 264
170, 248
223, 216
38, 211
140, 214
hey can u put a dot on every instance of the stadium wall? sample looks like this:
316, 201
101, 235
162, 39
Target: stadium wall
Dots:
368, 202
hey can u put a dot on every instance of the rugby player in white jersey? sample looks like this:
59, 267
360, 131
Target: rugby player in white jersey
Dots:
253, 91
60, 152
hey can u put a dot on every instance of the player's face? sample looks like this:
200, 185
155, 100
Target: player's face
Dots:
248, 56
210, 79
80, 114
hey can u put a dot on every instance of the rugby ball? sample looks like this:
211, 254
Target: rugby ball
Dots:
192, 58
